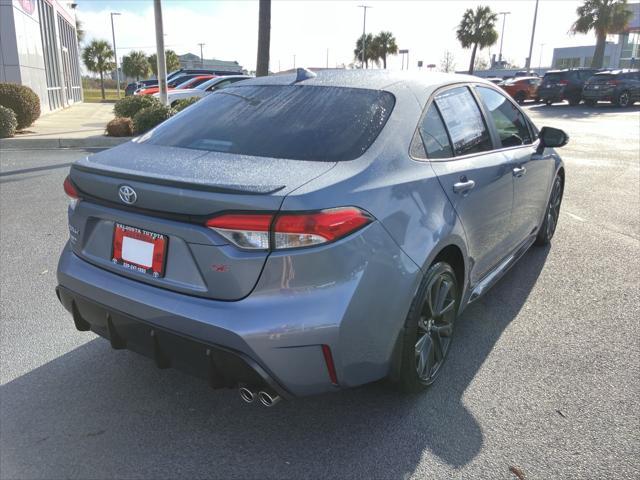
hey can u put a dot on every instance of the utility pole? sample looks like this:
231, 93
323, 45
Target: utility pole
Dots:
162, 60
533, 34
294, 61
115, 53
201, 57
327, 58
364, 32
504, 18
540, 60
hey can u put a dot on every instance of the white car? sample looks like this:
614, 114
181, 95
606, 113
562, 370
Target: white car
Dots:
203, 89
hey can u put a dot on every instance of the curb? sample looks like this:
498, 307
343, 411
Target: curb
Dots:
88, 142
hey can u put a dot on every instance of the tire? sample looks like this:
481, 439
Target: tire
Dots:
624, 100
574, 100
548, 102
427, 337
552, 213
590, 103
520, 97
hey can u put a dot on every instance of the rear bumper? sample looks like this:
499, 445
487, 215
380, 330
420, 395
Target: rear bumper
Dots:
551, 94
329, 296
604, 95
221, 367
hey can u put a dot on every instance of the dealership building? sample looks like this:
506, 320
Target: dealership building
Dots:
39, 49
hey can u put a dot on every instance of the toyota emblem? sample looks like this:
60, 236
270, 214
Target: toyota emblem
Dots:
127, 194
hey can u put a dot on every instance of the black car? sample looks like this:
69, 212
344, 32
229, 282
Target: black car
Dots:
559, 85
620, 87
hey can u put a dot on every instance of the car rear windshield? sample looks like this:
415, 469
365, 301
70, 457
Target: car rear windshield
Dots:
298, 122
554, 76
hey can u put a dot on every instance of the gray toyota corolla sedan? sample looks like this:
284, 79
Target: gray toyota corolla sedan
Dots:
301, 233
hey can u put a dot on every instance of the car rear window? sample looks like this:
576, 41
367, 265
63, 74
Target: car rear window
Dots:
552, 77
298, 122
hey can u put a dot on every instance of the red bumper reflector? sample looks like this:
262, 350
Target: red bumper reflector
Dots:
328, 359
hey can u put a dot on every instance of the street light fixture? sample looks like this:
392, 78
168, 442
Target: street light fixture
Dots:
504, 19
364, 31
115, 53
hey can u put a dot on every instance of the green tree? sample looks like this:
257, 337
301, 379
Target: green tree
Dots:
264, 38
384, 44
98, 58
603, 17
370, 54
173, 62
136, 65
477, 29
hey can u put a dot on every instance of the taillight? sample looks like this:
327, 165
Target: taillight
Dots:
613, 83
70, 189
288, 230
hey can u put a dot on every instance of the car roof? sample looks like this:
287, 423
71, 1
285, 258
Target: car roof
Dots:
371, 79
618, 71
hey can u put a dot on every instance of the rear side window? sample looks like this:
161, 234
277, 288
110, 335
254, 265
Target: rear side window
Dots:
298, 122
464, 121
510, 123
434, 135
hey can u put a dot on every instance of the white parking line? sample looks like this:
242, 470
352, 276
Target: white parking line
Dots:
576, 217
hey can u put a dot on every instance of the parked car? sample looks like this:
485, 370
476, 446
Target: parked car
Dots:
524, 73
203, 89
522, 88
299, 233
132, 87
171, 84
194, 82
620, 87
495, 80
559, 85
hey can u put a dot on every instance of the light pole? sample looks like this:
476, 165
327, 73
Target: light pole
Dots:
201, 57
540, 59
533, 34
364, 31
160, 53
294, 61
504, 19
115, 53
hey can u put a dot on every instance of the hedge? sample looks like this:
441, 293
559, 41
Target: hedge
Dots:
129, 106
149, 117
22, 100
8, 122
183, 103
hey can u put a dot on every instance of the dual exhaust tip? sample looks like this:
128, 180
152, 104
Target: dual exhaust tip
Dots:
268, 399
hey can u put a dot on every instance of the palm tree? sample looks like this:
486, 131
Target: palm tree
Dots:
136, 65
370, 54
98, 58
264, 38
477, 29
171, 59
603, 17
384, 44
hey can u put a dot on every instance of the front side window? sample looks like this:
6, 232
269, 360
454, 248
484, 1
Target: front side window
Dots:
509, 120
297, 122
464, 121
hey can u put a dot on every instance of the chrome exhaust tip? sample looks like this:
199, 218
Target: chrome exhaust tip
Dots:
268, 399
247, 395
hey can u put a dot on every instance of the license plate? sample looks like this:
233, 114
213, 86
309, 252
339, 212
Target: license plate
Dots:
139, 250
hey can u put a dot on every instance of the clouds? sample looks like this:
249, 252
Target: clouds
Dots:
308, 28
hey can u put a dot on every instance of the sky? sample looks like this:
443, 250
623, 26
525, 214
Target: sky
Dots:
309, 29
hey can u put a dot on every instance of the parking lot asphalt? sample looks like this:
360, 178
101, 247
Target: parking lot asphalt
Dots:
542, 376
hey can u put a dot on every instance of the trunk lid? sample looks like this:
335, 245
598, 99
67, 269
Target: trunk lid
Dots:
177, 190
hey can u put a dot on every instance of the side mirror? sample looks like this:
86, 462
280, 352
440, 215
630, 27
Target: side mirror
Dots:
551, 138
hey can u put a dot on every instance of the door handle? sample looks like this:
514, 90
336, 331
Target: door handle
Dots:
464, 186
519, 171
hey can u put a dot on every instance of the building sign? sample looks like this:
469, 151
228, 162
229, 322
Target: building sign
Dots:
29, 6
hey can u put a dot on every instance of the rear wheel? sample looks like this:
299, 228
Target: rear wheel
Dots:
590, 103
520, 97
552, 214
624, 100
548, 102
429, 328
